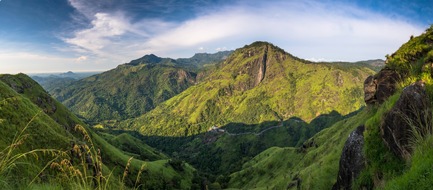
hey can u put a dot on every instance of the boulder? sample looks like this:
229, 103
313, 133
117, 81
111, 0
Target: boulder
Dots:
352, 160
412, 107
369, 90
379, 87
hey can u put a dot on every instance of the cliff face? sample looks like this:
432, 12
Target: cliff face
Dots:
255, 69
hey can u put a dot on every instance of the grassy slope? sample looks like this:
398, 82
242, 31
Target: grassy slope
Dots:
47, 130
133, 146
158, 174
290, 88
219, 153
124, 92
418, 173
384, 170
16, 111
134, 88
414, 56
317, 167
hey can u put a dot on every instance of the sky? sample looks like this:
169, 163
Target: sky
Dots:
39, 36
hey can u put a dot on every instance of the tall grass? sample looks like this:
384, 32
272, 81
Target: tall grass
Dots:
419, 116
10, 156
382, 164
421, 126
79, 167
87, 173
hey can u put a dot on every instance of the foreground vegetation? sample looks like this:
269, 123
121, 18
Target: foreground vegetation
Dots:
42, 148
315, 166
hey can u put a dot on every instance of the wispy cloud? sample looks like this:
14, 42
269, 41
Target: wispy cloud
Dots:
310, 29
81, 58
305, 29
103, 32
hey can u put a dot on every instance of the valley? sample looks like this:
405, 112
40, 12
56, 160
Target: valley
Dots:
216, 94
259, 95
254, 118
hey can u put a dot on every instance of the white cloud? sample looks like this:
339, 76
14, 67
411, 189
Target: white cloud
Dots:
313, 59
105, 28
81, 58
304, 29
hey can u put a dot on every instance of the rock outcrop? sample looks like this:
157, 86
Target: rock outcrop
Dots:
254, 69
379, 87
412, 107
352, 160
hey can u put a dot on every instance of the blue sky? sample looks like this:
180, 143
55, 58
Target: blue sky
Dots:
80, 35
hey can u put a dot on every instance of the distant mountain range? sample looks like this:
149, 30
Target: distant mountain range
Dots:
50, 81
257, 83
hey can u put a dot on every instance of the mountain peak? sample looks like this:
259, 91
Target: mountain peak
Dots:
263, 44
266, 46
260, 43
149, 59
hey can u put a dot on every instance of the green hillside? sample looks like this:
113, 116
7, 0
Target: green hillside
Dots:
314, 166
317, 166
224, 152
257, 83
133, 146
37, 133
134, 88
125, 92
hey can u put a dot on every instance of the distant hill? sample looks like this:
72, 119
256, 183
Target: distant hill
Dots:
69, 74
257, 83
131, 89
200, 60
376, 64
51, 81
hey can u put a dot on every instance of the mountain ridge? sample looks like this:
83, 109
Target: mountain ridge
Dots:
130, 89
263, 67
